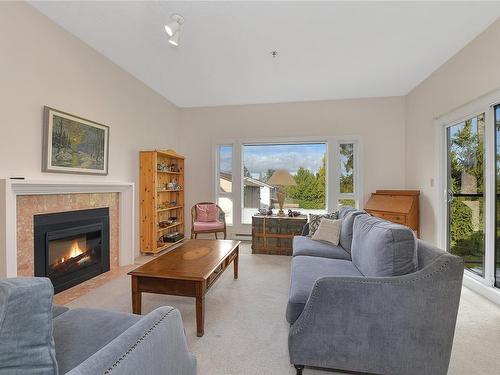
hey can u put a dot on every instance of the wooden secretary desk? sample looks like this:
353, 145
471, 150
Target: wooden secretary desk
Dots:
398, 206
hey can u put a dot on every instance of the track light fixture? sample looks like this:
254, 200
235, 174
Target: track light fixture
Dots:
174, 39
173, 28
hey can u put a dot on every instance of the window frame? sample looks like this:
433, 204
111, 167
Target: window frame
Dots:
332, 172
446, 177
355, 194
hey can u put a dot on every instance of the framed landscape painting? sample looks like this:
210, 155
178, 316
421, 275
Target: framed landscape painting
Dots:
72, 144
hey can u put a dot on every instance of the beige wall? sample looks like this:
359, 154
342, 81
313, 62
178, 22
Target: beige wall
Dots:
41, 64
471, 73
379, 124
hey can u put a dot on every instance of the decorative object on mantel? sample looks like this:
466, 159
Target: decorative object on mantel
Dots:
72, 144
161, 200
281, 178
398, 206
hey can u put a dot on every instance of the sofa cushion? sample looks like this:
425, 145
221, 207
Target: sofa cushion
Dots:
303, 245
26, 342
206, 212
344, 210
207, 225
346, 231
79, 333
314, 220
304, 273
381, 248
328, 231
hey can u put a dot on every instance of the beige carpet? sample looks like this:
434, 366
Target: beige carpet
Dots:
245, 326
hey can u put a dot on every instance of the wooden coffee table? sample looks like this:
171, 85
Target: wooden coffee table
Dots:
189, 270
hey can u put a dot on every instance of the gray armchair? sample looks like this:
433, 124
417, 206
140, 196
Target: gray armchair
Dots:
155, 344
38, 338
385, 325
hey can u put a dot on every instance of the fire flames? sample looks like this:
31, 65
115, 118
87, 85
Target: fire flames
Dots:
74, 251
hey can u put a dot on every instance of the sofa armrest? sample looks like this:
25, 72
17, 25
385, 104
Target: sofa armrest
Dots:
401, 324
154, 345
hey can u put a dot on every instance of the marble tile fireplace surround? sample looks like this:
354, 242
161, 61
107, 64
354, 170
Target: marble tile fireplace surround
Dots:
21, 200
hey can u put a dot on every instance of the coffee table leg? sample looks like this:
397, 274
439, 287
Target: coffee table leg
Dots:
136, 296
235, 262
200, 316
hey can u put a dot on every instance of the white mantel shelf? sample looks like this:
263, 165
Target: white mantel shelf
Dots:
11, 188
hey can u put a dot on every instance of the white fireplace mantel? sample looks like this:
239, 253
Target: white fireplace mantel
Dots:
11, 188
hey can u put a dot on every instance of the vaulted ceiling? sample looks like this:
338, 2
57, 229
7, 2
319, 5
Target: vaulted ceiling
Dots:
326, 50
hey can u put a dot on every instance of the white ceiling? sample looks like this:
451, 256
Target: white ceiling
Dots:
327, 50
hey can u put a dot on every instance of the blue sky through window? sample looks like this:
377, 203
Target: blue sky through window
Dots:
259, 158
226, 158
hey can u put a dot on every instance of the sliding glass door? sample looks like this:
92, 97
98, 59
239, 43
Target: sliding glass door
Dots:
465, 192
497, 196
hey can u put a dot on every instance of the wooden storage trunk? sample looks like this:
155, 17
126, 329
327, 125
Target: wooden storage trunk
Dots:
274, 234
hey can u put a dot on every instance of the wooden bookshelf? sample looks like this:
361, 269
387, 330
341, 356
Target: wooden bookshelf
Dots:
159, 202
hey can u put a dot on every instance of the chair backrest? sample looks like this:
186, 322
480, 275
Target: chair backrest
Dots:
220, 213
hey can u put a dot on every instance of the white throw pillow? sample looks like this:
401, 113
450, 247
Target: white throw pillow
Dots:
328, 231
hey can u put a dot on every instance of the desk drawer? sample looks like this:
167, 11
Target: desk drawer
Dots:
400, 219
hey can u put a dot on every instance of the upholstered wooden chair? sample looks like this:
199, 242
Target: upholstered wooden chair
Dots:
207, 217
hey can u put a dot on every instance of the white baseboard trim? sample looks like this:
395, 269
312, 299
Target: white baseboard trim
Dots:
241, 236
488, 292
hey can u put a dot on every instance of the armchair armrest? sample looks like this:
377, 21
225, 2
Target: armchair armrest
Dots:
154, 345
402, 325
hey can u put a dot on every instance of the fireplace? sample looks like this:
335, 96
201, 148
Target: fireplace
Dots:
71, 247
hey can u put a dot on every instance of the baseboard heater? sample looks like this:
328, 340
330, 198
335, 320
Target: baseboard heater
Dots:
242, 236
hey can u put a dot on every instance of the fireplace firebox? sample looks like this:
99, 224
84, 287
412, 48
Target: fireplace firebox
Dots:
71, 247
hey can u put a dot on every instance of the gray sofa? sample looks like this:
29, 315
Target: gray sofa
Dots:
382, 302
39, 338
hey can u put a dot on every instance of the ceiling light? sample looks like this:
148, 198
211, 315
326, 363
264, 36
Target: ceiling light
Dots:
174, 39
174, 26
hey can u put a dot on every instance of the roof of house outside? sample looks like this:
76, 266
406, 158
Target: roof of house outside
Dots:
247, 181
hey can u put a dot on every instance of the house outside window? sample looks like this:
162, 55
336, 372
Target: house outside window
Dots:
305, 162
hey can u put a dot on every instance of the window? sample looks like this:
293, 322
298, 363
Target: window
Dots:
347, 202
347, 192
324, 174
465, 142
305, 162
225, 181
